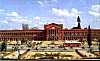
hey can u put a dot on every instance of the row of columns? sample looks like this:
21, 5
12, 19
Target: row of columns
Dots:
52, 34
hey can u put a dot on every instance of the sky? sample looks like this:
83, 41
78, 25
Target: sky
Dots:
36, 13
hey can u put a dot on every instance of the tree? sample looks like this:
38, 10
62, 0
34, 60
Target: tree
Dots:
89, 36
4, 46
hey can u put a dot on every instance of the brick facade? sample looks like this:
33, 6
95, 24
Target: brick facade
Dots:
51, 32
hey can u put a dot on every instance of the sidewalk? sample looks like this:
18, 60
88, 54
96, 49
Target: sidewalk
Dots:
87, 54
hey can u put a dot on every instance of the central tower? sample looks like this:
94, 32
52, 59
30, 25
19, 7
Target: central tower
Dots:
53, 31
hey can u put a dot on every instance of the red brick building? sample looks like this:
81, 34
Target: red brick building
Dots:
51, 32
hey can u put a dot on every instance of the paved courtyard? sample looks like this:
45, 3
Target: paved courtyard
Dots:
46, 50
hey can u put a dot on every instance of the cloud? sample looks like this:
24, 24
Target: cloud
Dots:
23, 20
2, 11
13, 23
41, 23
64, 12
36, 25
37, 18
94, 13
41, 3
55, 1
15, 17
75, 12
61, 20
4, 22
14, 20
46, 2
95, 10
20, 20
13, 14
60, 12
98, 19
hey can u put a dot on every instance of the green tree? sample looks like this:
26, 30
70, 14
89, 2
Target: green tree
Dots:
89, 36
4, 46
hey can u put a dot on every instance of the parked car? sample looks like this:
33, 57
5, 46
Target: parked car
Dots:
44, 47
52, 47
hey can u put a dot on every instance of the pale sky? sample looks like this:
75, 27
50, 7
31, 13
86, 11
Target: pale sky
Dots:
36, 13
